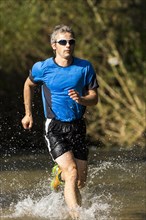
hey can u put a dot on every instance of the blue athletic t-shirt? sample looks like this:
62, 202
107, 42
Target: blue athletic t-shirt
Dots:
56, 81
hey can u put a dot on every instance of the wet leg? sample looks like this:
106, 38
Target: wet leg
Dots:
69, 173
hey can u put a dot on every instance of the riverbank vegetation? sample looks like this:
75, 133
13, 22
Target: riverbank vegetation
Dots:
110, 33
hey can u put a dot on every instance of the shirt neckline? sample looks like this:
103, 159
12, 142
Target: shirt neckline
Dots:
62, 66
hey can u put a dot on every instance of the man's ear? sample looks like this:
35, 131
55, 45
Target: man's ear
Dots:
53, 46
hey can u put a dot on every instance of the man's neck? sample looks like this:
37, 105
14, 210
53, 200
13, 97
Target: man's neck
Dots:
63, 62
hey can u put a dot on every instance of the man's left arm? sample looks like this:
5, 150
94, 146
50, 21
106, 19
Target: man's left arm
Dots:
91, 98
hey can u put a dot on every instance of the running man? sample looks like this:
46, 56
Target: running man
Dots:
68, 85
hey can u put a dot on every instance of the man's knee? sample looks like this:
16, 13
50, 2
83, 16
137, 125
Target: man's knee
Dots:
71, 173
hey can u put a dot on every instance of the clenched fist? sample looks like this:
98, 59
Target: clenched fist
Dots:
27, 122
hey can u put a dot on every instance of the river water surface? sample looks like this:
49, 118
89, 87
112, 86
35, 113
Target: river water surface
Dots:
115, 190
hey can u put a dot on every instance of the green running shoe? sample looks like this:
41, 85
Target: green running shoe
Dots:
56, 181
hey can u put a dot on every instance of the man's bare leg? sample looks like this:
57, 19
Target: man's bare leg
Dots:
82, 166
72, 196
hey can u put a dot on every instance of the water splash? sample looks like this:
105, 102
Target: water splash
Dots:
113, 186
53, 207
42, 203
50, 207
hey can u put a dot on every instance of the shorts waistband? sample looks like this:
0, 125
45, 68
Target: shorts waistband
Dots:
68, 122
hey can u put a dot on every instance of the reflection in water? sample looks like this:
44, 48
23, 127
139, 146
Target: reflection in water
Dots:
115, 188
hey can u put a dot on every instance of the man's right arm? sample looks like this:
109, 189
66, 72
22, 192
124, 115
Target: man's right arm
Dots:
27, 121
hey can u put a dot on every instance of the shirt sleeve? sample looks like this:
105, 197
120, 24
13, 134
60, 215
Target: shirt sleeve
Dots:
91, 80
36, 74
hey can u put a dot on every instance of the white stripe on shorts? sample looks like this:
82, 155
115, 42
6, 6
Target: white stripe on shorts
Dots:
48, 121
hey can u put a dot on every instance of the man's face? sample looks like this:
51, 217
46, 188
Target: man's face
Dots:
64, 51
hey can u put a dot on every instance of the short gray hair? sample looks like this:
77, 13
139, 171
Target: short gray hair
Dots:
60, 29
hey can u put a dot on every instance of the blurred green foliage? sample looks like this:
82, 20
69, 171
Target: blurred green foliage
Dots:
109, 33
26, 24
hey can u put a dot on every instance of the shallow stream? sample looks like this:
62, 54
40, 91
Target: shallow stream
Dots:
115, 190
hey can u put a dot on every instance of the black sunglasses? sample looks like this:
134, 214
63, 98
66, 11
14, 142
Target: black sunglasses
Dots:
64, 42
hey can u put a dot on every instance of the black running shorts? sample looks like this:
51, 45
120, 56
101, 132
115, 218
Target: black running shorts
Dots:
62, 137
